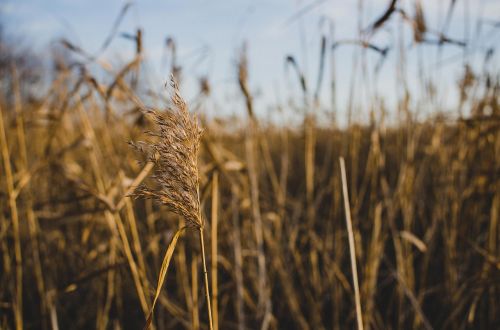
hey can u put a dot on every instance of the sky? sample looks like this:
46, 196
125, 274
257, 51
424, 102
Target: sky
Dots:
209, 36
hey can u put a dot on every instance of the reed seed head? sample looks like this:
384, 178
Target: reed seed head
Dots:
174, 151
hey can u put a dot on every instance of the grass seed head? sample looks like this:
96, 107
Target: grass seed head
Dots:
174, 152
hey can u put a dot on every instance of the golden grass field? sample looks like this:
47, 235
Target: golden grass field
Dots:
81, 248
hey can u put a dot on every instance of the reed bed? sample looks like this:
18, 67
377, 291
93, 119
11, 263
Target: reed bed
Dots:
78, 250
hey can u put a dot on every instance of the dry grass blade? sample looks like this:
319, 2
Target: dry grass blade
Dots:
419, 25
383, 18
163, 272
116, 24
137, 181
414, 240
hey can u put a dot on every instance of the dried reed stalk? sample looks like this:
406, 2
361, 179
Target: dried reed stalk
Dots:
238, 260
352, 250
264, 301
213, 240
113, 220
194, 298
24, 167
9, 178
175, 155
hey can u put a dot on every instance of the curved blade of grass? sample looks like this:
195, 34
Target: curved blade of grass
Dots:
163, 273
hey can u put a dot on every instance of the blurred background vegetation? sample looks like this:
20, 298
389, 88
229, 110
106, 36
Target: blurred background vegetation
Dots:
422, 176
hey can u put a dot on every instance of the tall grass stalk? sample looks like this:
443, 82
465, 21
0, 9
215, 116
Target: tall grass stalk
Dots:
352, 250
175, 155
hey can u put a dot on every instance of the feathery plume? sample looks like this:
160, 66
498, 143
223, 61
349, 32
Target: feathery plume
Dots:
175, 155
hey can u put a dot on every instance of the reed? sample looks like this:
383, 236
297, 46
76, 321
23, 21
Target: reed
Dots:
412, 243
175, 155
352, 249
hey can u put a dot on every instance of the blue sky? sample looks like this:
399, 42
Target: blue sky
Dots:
271, 33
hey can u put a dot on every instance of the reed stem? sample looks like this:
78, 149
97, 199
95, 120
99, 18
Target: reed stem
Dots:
352, 249
205, 278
